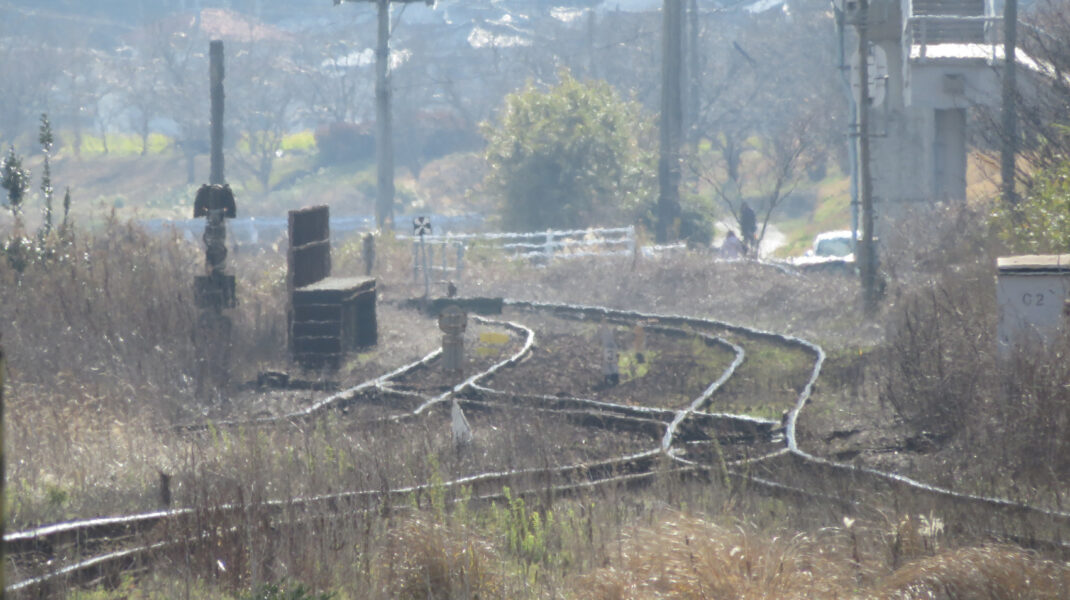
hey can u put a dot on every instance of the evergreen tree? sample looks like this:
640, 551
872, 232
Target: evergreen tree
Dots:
45, 138
16, 181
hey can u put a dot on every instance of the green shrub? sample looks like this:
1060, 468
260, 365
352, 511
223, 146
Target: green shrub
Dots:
1040, 223
568, 157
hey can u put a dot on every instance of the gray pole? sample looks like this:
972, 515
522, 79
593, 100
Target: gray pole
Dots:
427, 274
867, 253
384, 141
693, 70
852, 146
3, 477
215, 53
1009, 114
671, 118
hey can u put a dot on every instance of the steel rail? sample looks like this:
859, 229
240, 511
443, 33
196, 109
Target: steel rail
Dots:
634, 467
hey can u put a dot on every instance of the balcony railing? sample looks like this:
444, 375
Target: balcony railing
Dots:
932, 22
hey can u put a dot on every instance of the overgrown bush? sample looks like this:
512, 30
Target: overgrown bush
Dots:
940, 354
944, 377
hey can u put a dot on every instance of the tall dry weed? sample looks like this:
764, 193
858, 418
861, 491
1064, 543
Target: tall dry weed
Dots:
684, 557
992, 573
425, 559
98, 329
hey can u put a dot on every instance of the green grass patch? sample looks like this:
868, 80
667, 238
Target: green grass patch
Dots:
122, 145
302, 141
773, 360
633, 365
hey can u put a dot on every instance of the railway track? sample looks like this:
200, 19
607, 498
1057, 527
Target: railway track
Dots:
687, 440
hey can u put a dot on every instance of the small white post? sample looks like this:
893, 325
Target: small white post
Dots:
461, 430
416, 261
427, 275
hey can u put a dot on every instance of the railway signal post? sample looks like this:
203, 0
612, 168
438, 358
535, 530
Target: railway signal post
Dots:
421, 226
215, 290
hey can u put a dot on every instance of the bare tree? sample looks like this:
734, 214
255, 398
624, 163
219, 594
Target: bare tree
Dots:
29, 71
334, 76
174, 56
776, 163
268, 105
1043, 96
763, 114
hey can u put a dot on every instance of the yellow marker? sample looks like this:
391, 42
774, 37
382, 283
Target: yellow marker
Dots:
494, 337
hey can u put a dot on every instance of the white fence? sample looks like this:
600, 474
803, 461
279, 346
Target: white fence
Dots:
440, 250
435, 257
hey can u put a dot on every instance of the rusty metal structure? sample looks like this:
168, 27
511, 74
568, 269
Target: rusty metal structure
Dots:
215, 289
327, 316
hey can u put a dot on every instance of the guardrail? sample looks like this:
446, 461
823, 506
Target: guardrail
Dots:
923, 31
544, 246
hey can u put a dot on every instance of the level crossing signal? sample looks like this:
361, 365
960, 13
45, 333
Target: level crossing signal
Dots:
421, 226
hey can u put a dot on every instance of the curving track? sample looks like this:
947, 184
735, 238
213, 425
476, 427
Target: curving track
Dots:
763, 452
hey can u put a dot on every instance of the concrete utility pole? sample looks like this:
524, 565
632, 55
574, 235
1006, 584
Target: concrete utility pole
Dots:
215, 56
1009, 108
384, 131
867, 251
671, 121
693, 71
384, 125
3, 477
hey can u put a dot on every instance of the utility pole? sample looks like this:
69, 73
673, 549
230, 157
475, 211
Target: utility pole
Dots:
384, 131
693, 71
1009, 108
3, 478
671, 121
384, 126
867, 251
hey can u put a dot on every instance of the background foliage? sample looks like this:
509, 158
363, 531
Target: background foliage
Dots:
570, 156
1040, 224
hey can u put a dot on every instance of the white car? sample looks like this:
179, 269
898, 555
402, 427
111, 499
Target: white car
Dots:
831, 248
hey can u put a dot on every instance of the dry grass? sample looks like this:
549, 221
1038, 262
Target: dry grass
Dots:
684, 557
430, 560
103, 359
990, 572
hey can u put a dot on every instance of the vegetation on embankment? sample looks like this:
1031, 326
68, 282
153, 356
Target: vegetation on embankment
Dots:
102, 362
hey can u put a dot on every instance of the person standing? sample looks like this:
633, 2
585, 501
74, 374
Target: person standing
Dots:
731, 248
748, 228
